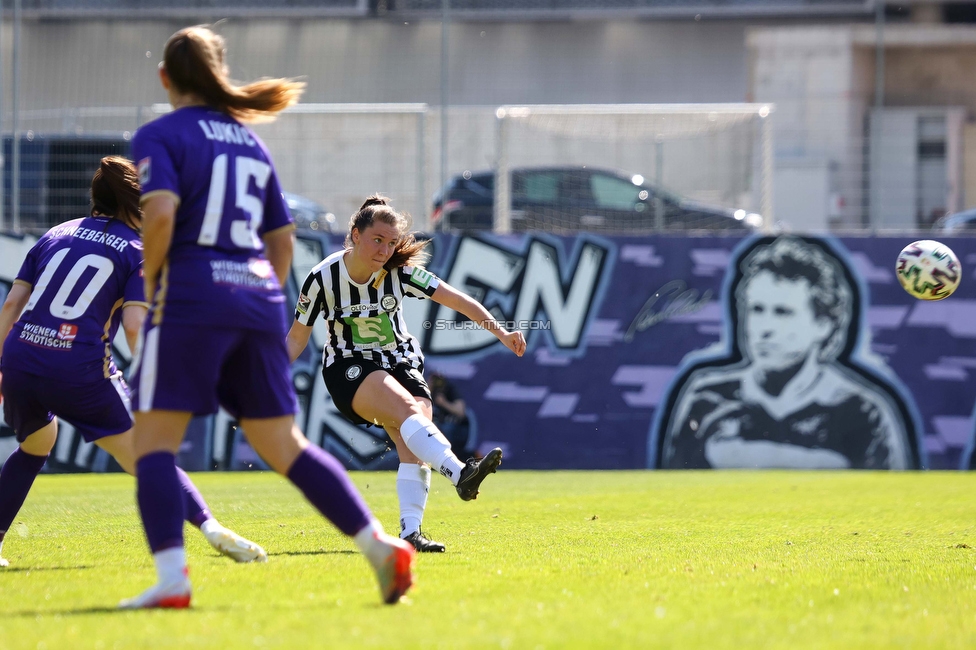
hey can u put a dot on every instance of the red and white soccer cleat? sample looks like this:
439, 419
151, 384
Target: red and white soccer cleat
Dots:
395, 571
169, 596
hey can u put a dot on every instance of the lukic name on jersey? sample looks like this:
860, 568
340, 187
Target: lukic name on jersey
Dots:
224, 132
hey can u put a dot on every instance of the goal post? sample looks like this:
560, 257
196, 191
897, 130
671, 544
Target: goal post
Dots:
713, 158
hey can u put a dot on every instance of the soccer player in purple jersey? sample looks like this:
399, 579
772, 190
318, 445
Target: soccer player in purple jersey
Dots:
79, 282
373, 367
218, 241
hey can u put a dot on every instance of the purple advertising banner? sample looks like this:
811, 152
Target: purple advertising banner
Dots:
658, 352
654, 352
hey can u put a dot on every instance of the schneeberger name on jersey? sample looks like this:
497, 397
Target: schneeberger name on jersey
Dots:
87, 234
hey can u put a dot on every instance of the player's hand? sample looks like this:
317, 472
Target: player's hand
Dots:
514, 341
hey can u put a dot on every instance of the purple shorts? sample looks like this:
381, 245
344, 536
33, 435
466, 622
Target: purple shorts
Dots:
197, 368
96, 409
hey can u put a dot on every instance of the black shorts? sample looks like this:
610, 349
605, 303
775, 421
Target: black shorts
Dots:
344, 377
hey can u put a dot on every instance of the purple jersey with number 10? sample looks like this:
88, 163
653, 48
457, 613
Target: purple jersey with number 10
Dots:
80, 274
229, 197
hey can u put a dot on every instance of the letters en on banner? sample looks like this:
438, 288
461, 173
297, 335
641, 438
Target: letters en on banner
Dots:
660, 352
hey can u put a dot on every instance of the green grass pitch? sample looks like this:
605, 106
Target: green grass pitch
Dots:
540, 560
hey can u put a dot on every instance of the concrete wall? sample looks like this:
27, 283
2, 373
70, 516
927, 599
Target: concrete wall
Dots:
99, 63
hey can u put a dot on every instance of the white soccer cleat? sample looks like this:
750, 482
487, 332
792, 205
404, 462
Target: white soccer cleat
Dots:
3, 562
234, 546
169, 596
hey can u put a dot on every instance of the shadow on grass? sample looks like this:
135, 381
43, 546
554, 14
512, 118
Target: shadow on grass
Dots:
85, 611
319, 552
31, 569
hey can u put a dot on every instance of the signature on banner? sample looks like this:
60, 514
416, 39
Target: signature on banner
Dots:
673, 299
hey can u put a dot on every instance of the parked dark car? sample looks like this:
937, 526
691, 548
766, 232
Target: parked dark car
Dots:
308, 214
958, 223
578, 199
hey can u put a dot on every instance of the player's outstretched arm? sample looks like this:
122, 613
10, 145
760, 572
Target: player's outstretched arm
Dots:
462, 303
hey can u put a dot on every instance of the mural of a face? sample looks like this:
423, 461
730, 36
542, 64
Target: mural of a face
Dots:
781, 329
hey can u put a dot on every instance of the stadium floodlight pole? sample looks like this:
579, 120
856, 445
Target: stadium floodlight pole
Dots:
15, 140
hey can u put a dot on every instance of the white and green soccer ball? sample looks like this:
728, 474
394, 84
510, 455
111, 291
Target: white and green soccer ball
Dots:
928, 270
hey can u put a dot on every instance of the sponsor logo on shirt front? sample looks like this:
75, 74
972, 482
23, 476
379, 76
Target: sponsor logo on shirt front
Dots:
253, 274
47, 337
67, 332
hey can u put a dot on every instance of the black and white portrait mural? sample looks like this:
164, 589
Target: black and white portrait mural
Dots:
792, 383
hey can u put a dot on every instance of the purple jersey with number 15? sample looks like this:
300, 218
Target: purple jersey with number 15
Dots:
80, 273
229, 197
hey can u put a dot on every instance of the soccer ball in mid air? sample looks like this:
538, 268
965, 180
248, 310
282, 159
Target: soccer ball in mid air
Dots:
928, 270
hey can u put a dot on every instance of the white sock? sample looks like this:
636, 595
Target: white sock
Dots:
369, 541
428, 444
413, 484
170, 565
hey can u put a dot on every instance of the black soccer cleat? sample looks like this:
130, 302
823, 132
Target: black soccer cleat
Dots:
422, 544
475, 471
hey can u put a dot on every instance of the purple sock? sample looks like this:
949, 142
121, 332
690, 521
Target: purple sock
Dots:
161, 501
196, 508
326, 484
16, 479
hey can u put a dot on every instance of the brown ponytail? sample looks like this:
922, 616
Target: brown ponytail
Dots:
115, 191
194, 60
408, 251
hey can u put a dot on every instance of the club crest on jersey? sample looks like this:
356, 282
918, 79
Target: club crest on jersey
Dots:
145, 170
388, 303
304, 302
353, 372
67, 332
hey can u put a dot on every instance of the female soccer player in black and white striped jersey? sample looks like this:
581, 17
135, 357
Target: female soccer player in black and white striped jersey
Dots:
373, 367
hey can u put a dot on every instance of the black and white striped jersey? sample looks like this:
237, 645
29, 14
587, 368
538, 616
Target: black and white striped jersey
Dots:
364, 321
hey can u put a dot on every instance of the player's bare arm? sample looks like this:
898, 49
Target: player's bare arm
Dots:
16, 300
298, 337
462, 303
279, 246
132, 318
158, 219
